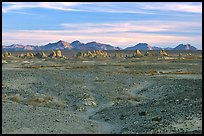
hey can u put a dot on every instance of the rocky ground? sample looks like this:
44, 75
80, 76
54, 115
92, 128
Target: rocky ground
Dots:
138, 95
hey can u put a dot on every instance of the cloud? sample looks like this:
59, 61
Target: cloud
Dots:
9, 6
153, 26
194, 7
113, 7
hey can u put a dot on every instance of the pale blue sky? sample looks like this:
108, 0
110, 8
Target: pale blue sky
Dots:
120, 24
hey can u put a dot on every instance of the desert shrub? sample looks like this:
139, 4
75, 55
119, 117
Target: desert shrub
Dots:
39, 100
79, 108
56, 104
16, 98
4, 97
151, 72
99, 80
134, 98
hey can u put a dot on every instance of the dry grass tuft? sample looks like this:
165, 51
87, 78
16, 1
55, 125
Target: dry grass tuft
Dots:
177, 72
47, 101
16, 98
99, 80
40, 100
151, 72
134, 98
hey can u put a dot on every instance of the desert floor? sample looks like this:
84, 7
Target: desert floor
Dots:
147, 95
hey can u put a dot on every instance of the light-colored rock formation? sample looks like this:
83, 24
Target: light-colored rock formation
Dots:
58, 53
79, 55
92, 54
53, 54
137, 53
118, 55
22, 55
6, 54
163, 53
44, 55
29, 55
40, 55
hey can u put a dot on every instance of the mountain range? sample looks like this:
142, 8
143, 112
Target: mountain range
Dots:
77, 45
145, 46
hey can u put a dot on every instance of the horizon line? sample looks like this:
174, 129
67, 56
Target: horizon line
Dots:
96, 42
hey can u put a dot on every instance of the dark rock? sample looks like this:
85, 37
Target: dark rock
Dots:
144, 113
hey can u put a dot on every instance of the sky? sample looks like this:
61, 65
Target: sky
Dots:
121, 24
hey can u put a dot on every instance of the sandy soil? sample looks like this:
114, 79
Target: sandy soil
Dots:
120, 96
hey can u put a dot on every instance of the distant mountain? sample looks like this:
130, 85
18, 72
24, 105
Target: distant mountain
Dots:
142, 46
156, 48
185, 47
99, 46
19, 47
145, 46
61, 45
168, 48
92, 46
77, 45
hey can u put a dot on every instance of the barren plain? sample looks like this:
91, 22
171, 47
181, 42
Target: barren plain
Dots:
145, 95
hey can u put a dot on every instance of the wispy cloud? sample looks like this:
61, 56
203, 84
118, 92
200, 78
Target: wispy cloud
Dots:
194, 7
9, 6
114, 7
143, 26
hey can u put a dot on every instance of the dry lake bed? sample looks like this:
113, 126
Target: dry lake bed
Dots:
145, 95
